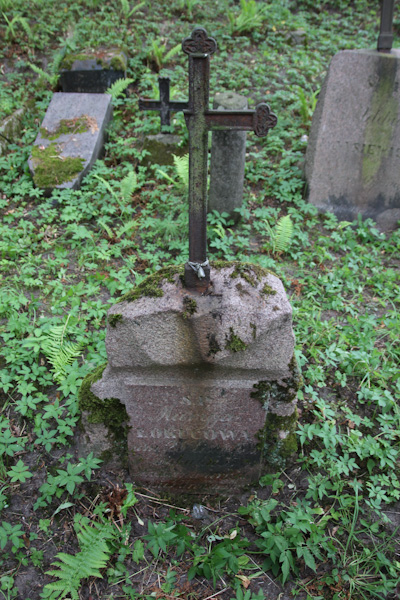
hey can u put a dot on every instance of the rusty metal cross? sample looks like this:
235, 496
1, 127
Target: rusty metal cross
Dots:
164, 105
385, 39
200, 120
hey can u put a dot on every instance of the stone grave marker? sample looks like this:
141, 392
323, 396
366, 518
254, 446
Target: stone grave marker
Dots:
228, 154
70, 139
92, 71
201, 370
353, 156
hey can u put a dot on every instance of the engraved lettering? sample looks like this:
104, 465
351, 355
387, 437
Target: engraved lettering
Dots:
227, 434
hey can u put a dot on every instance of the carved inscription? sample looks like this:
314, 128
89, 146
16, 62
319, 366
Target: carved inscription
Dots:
161, 433
368, 149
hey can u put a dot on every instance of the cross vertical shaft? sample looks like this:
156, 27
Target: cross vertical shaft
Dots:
385, 39
198, 144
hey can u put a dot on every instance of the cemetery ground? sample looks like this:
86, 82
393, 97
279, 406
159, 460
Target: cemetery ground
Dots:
321, 526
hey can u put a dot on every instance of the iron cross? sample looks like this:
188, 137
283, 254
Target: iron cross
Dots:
385, 39
200, 120
164, 105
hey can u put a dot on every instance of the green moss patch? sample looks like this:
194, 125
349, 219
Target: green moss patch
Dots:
67, 126
189, 307
268, 290
104, 59
247, 271
110, 412
276, 449
284, 390
234, 343
51, 169
114, 319
151, 286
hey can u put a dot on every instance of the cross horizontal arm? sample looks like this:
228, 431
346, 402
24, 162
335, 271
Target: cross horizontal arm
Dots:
147, 104
260, 120
227, 119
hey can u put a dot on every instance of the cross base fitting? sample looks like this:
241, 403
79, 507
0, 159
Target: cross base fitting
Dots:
192, 282
385, 42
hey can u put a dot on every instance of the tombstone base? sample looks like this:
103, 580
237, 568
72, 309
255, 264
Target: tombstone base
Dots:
208, 381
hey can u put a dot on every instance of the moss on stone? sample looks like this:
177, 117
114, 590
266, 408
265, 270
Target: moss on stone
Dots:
51, 169
268, 290
277, 449
380, 126
254, 330
110, 412
234, 343
284, 390
151, 286
118, 62
115, 60
189, 306
114, 319
66, 126
213, 345
247, 271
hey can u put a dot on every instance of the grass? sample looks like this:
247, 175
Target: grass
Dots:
322, 527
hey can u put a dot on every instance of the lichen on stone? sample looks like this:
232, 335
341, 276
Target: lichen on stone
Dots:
114, 319
189, 306
234, 343
67, 126
52, 169
151, 286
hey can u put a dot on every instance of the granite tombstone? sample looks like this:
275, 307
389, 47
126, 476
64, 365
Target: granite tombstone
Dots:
201, 368
353, 155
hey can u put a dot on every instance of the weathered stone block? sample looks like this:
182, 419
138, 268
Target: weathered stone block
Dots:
209, 382
228, 154
70, 139
92, 71
353, 156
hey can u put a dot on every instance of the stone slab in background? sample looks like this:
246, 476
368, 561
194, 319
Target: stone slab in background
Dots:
209, 382
92, 71
71, 138
161, 148
353, 155
228, 153
10, 128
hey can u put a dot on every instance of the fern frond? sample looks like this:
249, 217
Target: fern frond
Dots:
41, 73
171, 53
283, 232
182, 168
25, 27
127, 227
94, 541
59, 352
136, 8
118, 87
125, 7
128, 186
